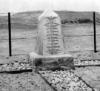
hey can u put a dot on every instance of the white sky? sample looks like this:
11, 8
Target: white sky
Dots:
30, 5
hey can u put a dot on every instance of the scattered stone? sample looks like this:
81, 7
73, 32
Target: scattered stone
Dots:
65, 81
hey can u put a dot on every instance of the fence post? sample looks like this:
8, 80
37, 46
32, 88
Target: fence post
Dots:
94, 27
9, 33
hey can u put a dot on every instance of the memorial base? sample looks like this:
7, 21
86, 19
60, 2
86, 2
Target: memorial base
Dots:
54, 62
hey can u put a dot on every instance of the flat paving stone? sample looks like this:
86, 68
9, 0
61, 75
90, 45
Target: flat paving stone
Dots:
90, 75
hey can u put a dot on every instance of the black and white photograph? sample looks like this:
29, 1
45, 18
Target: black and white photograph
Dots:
49, 45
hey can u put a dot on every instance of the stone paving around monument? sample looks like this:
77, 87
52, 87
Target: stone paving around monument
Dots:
60, 80
20, 80
65, 81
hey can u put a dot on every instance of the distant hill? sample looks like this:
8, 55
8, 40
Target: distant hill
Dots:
29, 20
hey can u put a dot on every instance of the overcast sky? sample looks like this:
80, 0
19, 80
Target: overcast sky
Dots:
30, 5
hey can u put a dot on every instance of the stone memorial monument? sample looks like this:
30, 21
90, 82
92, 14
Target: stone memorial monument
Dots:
50, 46
50, 41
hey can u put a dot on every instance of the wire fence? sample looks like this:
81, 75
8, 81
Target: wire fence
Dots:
18, 34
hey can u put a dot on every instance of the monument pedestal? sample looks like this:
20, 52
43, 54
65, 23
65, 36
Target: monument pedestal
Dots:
50, 46
52, 62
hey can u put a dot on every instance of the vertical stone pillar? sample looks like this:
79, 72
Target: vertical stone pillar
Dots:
50, 40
